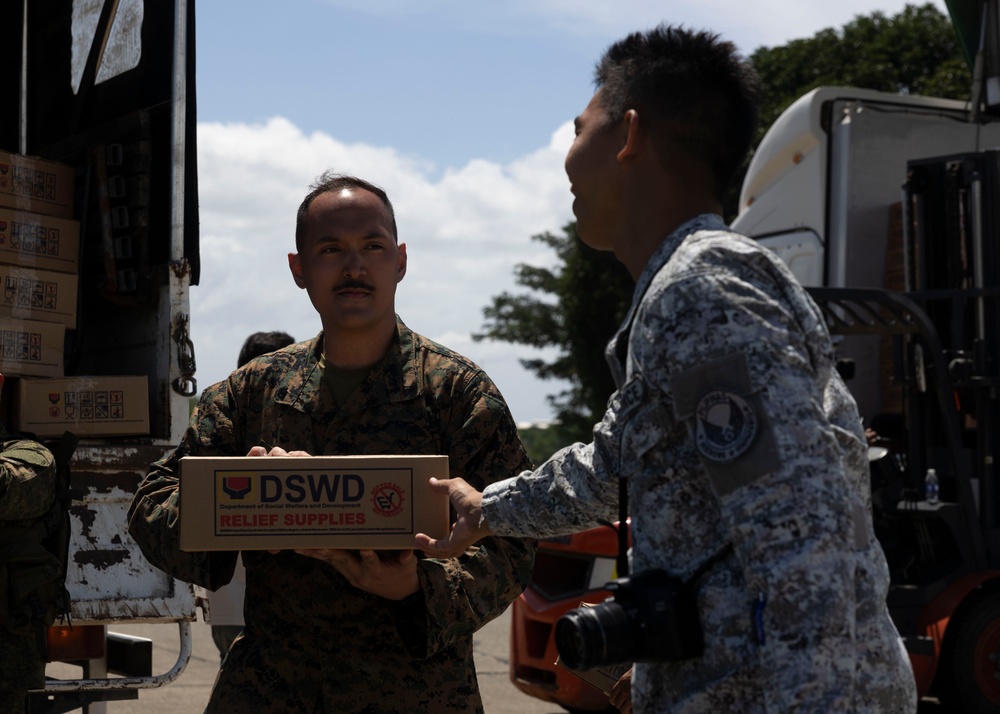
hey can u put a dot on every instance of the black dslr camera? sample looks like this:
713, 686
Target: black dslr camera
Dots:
651, 617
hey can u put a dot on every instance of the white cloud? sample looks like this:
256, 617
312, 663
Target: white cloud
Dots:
465, 231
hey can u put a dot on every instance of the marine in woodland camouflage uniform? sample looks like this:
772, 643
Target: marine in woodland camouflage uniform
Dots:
312, 642
27, 491
744, 451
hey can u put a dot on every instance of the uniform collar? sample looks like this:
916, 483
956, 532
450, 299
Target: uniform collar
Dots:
394, 378
617, 350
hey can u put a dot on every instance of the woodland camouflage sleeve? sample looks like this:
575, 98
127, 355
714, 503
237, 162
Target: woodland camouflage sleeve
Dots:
154, 515
27, 480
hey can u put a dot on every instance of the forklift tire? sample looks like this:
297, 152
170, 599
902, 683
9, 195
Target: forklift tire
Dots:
970, 664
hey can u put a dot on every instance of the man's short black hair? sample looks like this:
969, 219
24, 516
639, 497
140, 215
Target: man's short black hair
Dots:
260, 343
332, 181
692, 87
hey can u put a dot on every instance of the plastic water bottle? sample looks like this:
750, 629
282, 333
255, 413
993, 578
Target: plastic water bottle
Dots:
932, 487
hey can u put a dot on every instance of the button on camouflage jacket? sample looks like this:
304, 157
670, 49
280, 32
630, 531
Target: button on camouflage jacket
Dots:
735, 429
312, 642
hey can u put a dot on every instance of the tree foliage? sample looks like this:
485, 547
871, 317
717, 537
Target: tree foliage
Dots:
590, 295
915, 51
541, 441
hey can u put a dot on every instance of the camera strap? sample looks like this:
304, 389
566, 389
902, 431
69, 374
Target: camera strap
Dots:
623, 528
703, 569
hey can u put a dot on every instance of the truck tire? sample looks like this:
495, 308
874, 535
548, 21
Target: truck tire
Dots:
970, 664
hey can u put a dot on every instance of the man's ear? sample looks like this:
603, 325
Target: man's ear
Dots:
295, 265
400, 261
633, 138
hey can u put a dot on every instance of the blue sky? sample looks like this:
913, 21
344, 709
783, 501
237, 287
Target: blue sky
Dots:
461, 109
439, 85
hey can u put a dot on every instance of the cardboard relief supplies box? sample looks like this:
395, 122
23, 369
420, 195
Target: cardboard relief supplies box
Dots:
34, 240
283, 503
30, 183
38, 295
31, 348
86, 406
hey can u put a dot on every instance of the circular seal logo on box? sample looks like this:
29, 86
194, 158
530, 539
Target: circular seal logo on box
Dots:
726, 426
387, 500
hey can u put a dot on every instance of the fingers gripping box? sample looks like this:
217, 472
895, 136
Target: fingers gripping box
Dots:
282, 503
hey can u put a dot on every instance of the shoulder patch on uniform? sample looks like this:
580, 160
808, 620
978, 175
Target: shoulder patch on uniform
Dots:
727, 421
728, 373
725, 426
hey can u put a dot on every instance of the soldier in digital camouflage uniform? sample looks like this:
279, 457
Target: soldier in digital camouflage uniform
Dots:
744, 450
27, 491
334, 631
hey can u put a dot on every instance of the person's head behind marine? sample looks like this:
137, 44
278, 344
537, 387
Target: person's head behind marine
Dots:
260, 343
349, 260
670, 123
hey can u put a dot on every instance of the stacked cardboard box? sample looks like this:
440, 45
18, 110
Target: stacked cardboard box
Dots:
39, 272
92, 406
39, 264
28, 183
38, 241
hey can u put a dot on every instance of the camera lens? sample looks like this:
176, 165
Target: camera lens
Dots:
589, 637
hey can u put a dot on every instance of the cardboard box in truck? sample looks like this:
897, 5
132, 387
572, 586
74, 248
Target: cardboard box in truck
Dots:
282, 503
29, 183
86, 406
34, 240
44, 295
31, 348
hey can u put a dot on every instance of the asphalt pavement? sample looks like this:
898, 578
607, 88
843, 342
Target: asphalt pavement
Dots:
189, 693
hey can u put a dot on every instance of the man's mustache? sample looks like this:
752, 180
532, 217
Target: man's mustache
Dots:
354, 285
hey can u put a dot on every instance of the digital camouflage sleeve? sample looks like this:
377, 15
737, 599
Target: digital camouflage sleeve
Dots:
735, 429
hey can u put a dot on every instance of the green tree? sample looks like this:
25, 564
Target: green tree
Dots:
576, 309
915, 51
542, 441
